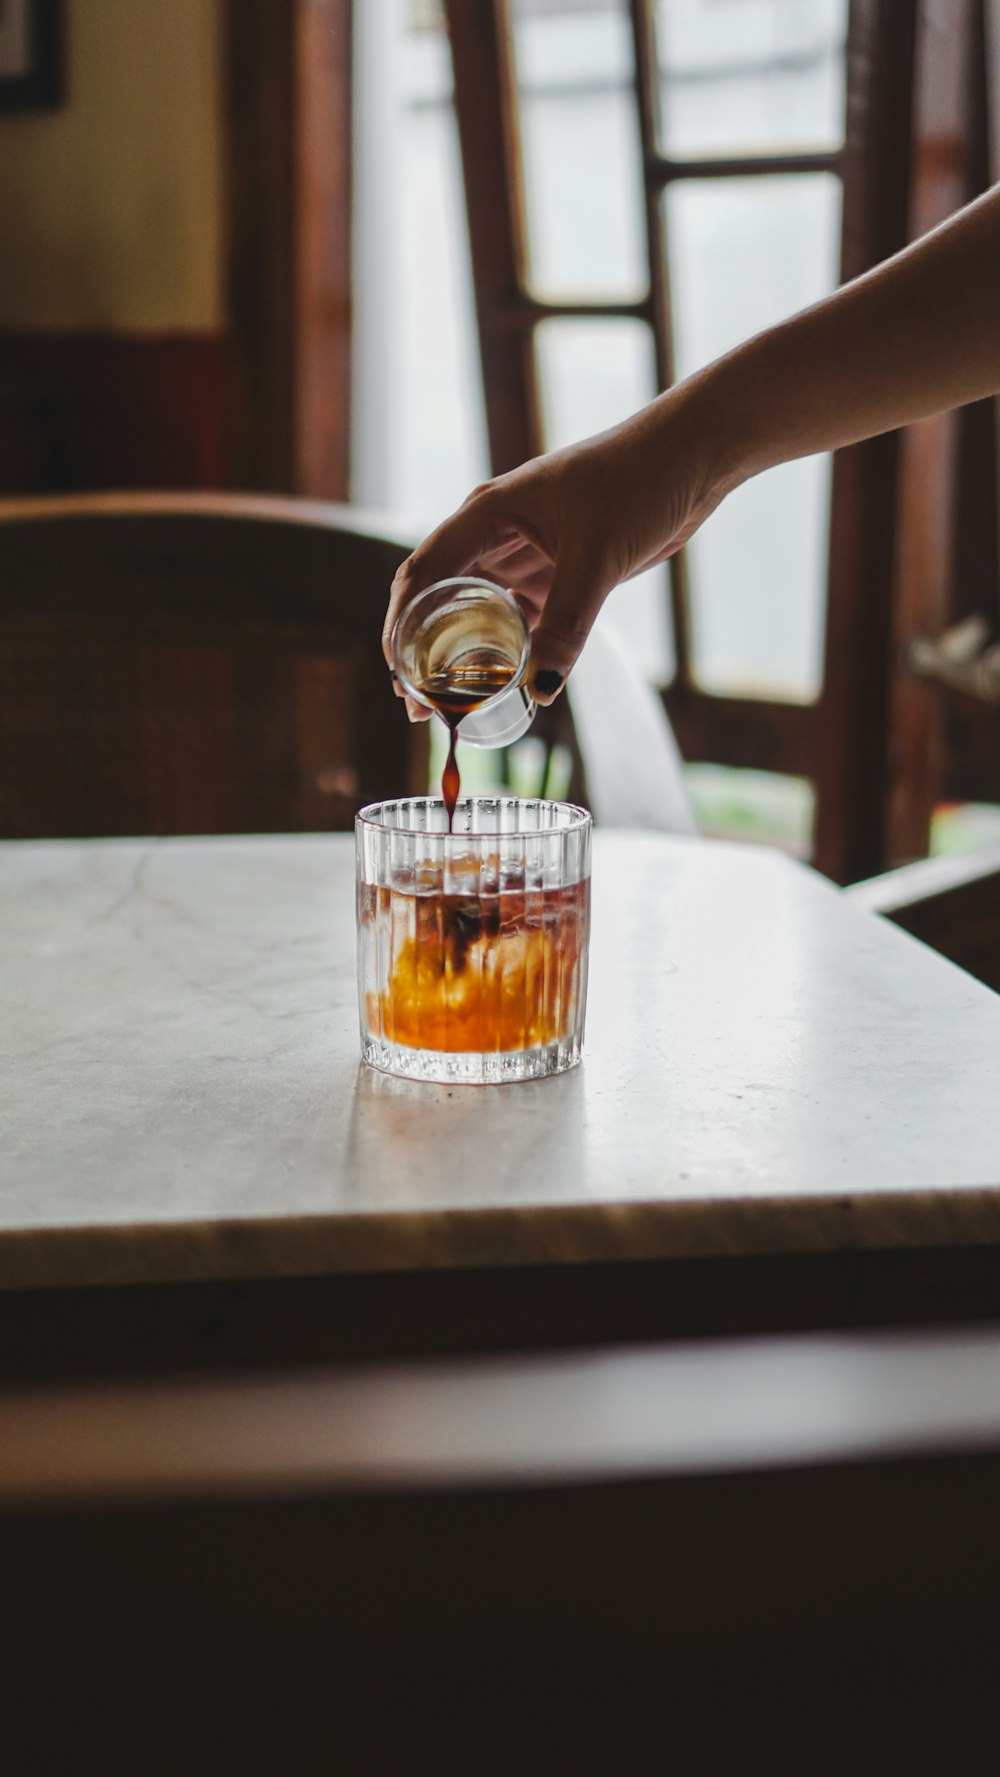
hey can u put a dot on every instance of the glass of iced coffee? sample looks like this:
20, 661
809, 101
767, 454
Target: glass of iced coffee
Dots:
472, 944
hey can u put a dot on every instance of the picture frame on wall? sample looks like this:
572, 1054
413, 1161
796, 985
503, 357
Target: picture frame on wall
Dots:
30, 54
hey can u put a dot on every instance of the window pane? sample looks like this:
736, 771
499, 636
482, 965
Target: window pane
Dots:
754, 805
751, 76
592, 374
743, 254
419, 430
963, 827
579, 144
442, 450
758, 575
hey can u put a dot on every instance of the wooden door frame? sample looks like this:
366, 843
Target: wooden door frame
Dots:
287, 124
852, 715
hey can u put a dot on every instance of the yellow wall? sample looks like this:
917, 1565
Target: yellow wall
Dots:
110, 206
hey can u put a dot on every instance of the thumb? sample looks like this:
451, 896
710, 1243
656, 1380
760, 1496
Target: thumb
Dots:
575, 598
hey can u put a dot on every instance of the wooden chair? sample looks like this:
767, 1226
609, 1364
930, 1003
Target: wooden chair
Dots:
195, 664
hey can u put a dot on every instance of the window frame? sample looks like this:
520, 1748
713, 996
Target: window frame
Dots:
844, 741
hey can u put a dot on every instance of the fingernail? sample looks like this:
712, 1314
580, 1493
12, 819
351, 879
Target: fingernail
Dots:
548, 682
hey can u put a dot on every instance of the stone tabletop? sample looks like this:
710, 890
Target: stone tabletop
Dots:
767, 1069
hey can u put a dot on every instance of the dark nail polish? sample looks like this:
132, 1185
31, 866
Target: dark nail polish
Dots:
548, 682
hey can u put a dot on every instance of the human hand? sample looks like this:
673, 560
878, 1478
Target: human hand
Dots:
564, 529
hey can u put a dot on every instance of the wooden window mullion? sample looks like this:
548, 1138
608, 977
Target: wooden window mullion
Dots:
486, 113
926, 510
853, 730
662, 170
971, 732
288, 130
647, 89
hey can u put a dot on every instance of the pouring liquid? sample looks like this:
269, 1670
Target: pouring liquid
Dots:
454, 695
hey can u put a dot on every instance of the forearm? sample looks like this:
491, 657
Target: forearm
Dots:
919, 334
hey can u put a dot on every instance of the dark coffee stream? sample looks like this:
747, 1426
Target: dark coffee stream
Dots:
455, 695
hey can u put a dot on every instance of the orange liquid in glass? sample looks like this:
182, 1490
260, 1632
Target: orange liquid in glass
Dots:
481, 973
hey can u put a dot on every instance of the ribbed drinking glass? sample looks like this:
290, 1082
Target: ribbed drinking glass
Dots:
473, 945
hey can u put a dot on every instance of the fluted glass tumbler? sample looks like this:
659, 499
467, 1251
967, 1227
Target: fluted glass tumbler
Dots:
472, 945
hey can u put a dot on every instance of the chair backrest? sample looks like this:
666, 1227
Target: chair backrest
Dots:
195, 664
631, 764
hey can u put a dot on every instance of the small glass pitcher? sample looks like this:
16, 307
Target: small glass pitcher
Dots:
467, 632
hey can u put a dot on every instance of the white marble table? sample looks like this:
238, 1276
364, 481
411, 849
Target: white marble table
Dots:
767, 1071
